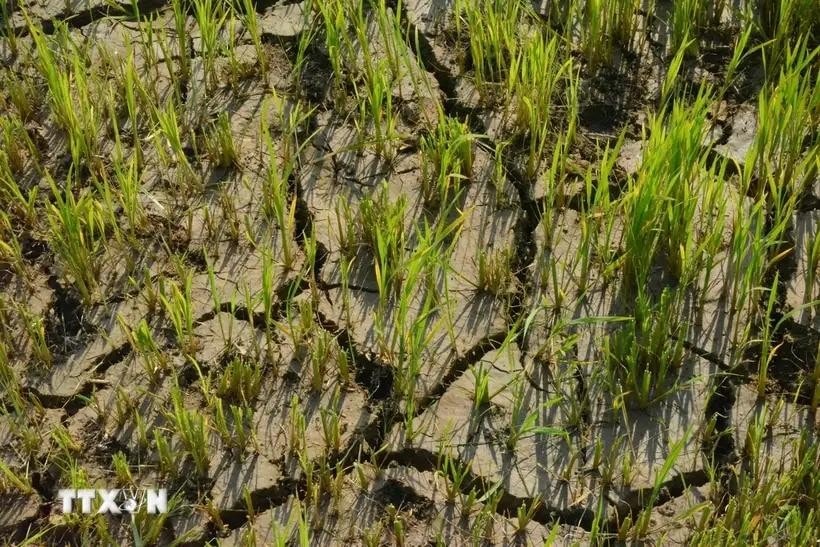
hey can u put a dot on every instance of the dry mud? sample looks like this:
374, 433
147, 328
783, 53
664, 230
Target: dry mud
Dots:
569, 467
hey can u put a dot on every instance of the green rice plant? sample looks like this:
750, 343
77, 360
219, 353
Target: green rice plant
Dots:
122, 469
661, 201
767, 352
688, 17
71, 93
297, 427
276, 201
332, 423
241, 381
812, 251
381, 228
748, 254
11, 481
250, 21
166, 457
391, 27
455, 472
17, 146
787, 112
20, 90
481, 386
815, 379
172, 137
132, 91
154, 361
210, 17
76, 228
19, 205
236, 431
525, 512
11, 251
597, 46
644, 355
178, 308
536, 77
413, 339
604, 24
643, 521
181, 34
765, 508
266, 292
5, 15
448, 155
493, 29
219, 145
10, 382
320, 354
128, 183
376, 109
495, 275
192, 429
335, 22
300, 325
524, 424
783, 23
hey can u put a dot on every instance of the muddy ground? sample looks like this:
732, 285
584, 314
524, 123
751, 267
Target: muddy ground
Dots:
96, 388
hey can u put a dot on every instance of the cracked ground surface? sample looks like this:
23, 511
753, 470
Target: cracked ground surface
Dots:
306, 340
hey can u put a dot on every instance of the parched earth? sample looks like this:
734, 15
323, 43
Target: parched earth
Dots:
378, 459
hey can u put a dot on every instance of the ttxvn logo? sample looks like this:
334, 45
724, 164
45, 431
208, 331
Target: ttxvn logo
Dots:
114, 501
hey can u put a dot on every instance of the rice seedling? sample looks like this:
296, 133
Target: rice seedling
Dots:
122, 469
171, 148
524, 423
21, 207
776, 157
11, 481
495, 275
250, 21
481, 389
536, 77
493, 28
644, 355
525, 512
11, 251
17, 145
70, 94
376, 109
277, 203
219, 145
332, 424
381, 228
782, 24
240, 381
297, 426
210, 18
166, 457
448, 154
812, 250
688, 17
178, 308
155, 362
192, 428
235, 429
320, 354
76, 228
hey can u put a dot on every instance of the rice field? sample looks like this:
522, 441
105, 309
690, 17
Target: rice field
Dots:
410, 272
